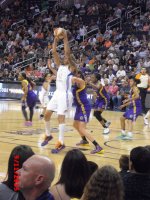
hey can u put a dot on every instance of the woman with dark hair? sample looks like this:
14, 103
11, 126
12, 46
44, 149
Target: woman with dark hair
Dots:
135, 109
44, 93
8, 189
101, 101
28, 99
74, 175
82, 113
105, 184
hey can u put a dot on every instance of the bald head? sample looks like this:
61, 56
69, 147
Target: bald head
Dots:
44, 166
36, 172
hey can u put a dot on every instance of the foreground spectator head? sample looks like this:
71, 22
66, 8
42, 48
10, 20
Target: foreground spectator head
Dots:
105, 184
36, 176
124, 162
92, 167
148, 147
140, 160
74, 173
23, 152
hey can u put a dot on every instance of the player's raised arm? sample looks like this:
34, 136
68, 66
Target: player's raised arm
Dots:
68, 55
55, 53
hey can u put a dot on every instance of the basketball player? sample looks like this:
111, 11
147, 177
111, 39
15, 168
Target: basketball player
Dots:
62, 98
44, 93
28, 99
101, 101
82, 114
135, 109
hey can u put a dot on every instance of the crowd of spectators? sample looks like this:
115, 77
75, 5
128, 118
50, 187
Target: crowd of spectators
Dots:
79, 178
113, 53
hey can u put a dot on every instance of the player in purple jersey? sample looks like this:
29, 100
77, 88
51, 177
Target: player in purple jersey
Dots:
82, 113
28, 99
134, 110
101, 101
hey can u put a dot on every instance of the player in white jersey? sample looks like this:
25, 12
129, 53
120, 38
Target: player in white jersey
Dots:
44, 93
62, 98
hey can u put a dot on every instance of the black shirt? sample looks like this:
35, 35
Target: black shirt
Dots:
137, 186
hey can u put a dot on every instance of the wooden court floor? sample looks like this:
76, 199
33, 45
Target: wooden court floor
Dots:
13, 132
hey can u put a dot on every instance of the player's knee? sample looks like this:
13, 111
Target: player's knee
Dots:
61, 119
122, 118
47, 116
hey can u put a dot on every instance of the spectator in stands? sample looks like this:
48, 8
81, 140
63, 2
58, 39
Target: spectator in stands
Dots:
137, 181
106, 184
121, 72
7, 187
113, 91
124, 165
73, 176
35, 178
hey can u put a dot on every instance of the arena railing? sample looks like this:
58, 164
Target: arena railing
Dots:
113, 23
133, 12
26, 62
21, 22
40, 13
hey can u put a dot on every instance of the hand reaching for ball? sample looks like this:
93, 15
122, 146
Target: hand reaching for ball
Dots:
59, 33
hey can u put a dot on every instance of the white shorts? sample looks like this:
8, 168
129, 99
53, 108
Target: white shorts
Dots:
44, 101
60, 102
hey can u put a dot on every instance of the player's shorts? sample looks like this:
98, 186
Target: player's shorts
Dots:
131, 115
61, 102
44, 101
80, 116
31, 99
100, 104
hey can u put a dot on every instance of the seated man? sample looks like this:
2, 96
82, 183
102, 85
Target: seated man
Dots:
35, 178
137, 181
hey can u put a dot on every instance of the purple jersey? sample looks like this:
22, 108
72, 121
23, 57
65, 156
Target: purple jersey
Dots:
135, 108
31, 96
102, 99
83, 107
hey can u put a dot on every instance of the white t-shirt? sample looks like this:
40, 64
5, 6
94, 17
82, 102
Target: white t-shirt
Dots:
144, 81
120, 73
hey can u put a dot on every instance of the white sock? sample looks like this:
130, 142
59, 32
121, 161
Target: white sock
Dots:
147, 115
130, 134
47, 128
61, 133
123, 132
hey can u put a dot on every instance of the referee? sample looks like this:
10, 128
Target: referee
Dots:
144, 78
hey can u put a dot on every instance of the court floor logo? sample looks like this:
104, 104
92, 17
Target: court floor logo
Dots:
35, 131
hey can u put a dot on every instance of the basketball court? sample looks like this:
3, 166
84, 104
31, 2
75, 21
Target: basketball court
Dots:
13, 132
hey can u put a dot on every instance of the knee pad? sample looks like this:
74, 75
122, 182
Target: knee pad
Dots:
98, 116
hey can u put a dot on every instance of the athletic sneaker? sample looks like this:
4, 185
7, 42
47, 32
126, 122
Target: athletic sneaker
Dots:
28, 123
107, 124
106, 131
58, 147
41, 116
97, 149
47, 139
124, 137
82, 143
146, 121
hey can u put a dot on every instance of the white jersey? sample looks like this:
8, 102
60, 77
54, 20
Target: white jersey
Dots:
44, 96
63, 80
62, 99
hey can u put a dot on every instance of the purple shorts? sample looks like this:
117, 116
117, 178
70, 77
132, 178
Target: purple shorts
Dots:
80, 116
31, 99
100, 104
131, 115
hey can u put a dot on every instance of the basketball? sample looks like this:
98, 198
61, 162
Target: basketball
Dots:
59, 33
